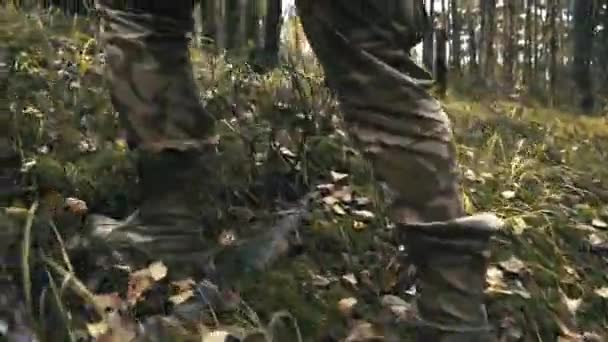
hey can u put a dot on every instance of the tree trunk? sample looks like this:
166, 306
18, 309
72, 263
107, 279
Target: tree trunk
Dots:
456, 28
488, 39
272, 36
427, 43
528, 44
473, 47
510, 43
552, 10
219, 14
441, 67
583, 50
208, 29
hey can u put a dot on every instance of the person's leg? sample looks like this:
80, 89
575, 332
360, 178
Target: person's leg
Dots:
152, 87
363, 47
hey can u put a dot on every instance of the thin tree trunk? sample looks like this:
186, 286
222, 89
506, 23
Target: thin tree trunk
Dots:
456, 28
219, 11
510, 43
490, 56
583, 51
528, 44
552, 8
427, 43
272, 36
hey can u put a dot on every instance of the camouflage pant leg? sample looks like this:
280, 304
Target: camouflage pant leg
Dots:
363, 46
150, 75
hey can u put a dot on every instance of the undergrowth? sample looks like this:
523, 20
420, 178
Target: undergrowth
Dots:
280, 135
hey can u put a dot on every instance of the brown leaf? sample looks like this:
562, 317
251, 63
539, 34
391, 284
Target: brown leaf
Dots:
158, 270
329, 200
227, 238
337, 176
597, 223
363, 215
602, 292
346, 306
121, 329
97, 330
326, 189
362, 201
365, 331
345, 194
142, 280
76, 206
183, 285
513, 265
320, 281
337, 208
350, 279
109, 302
181, 297
358, 225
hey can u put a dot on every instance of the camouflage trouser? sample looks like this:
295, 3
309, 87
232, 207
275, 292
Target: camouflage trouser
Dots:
150, 75
364, 48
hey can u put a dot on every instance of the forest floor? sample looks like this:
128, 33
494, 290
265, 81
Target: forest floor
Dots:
279, 136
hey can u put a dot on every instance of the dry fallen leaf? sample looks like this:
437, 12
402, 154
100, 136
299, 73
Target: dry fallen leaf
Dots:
365, 331
338, 209
76, 206
216, 336
495, 280
97, 329
350, 279
158, 270
345, 194
597, 223
362, 201
326, 189
358, 225
227, 238
320, 281
508, 194
108, 302
399, 308
181, 297
184, 284
573, 304
470, 175
142, 280
602, 292
513, 265
363, 215
329, 200
337, 176
519, 225
346, 305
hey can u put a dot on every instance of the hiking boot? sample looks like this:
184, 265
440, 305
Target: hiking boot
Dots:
167, 225
451, 258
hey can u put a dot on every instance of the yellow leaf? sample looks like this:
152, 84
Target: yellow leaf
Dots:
97, 329
358, 225
158, 270
181, 297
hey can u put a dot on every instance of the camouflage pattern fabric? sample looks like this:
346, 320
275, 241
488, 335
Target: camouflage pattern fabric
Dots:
363, 46
364, 49
149, 71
